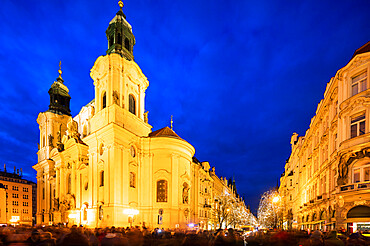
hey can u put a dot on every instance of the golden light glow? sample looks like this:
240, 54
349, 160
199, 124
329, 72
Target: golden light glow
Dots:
275, 199
131, 212
14, 219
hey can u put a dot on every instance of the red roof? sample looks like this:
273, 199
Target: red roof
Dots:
363, 49
164, 132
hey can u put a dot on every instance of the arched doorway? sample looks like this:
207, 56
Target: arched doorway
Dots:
358, 218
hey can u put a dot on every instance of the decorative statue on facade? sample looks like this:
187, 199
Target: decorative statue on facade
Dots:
72, 129
60, 145
346, 160
185, 194
115, 97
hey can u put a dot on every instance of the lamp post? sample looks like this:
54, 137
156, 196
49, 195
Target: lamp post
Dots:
275, 200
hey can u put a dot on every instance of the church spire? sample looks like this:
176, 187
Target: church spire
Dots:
119, 35
59, 96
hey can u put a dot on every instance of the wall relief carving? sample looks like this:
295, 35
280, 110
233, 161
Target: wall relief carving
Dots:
346, 160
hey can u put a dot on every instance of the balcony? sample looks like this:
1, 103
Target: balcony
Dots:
355, 186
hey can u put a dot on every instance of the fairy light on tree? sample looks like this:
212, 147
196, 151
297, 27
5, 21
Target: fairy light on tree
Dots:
268, 209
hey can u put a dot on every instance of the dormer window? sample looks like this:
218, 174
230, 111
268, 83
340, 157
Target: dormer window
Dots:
359, 83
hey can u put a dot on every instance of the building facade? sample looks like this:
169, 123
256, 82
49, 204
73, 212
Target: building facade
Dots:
326, 181
17, 199
106, 166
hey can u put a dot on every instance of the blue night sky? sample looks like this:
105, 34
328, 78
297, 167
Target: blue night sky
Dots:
239, 76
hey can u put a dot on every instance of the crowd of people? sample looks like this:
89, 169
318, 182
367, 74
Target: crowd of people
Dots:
56, 235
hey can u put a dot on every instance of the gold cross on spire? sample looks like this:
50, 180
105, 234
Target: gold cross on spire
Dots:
60, 69
171, 122
120, 4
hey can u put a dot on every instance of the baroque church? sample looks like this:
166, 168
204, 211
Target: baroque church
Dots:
105, 166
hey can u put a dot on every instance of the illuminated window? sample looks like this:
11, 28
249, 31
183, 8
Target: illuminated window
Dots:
361, 173
15, 203
15, 188
132, 179
25, 196
161, 191
25, 189
101, 178
104, 100
357, 125
25, 204
14, 195
359, 83
131, 104
367, 174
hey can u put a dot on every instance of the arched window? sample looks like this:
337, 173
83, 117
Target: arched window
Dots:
104, 100
132, 179
131, 104
111, 41
119, 37
84, 131
101, 174
161, 191
69, 181
127, 44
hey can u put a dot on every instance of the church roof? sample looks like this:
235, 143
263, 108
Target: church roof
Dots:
165, 132
363, 49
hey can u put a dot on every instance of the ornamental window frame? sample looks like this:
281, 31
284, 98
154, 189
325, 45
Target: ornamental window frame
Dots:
361, 173
162, 190
357, 125
359, 83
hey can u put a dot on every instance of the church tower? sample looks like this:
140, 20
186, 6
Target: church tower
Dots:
53, 122
120, 37
119, 82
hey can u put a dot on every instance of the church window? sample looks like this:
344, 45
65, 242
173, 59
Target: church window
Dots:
69, 184
127, 44
104, 100
161, 191
132, 104
359, 83
119, 39
357, 125
101, 174
111, 40
84, 131
101, 149
132, 179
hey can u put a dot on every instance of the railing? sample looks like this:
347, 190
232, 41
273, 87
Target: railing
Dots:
356, 186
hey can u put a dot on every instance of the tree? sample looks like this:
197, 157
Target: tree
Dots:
268, 209
229, 210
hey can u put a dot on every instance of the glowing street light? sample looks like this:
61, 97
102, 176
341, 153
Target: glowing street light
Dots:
275, 199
